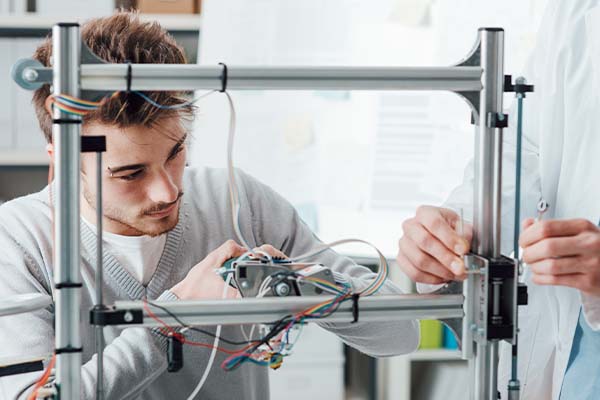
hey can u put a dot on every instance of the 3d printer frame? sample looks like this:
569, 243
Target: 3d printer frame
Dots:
483, 314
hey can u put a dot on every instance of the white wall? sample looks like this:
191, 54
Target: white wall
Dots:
355, 163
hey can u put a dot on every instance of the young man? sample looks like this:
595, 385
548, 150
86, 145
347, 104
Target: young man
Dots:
559, 338
167, 227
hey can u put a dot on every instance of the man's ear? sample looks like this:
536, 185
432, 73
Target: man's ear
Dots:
50, 151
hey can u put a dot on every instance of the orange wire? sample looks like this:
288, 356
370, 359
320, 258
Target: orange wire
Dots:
43, 379
182, 338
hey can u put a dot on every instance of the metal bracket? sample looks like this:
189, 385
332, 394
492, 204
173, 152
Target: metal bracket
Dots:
497, 120
93, 144
493, 283
110, 316
520, 87
88, 57
473, 59
286, 278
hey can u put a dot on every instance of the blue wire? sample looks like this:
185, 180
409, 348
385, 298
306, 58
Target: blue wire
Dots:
164, 107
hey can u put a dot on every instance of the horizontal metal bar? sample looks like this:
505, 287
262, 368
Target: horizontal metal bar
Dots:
112, 77
269, 309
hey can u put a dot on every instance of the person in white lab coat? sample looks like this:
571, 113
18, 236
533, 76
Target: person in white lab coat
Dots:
559, 342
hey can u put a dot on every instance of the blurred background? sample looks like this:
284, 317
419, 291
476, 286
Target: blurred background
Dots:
354, 164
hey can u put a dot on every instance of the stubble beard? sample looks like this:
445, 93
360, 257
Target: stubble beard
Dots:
139, 225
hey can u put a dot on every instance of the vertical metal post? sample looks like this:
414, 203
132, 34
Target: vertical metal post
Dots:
66, 45
99, 280
488, 147
487, 193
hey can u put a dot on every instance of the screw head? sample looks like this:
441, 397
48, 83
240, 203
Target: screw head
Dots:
128, 317
282, 289
30, 74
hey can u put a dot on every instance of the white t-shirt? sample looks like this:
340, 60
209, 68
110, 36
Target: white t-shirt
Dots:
139, 255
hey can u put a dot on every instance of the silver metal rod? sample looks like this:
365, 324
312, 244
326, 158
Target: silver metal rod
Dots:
492, 357
112, 77
485, 383
66, 44
467, 343
99, 279
264, 310
487, 194
487, 189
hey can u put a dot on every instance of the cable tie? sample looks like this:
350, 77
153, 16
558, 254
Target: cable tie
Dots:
66, 121
63, 285
223, 78
68, 349
355, 310
128, 77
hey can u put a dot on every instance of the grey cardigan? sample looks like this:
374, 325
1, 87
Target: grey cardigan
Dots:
135, 359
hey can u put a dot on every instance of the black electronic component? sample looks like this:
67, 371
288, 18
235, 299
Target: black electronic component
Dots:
22, 368
174, 353
519, 88
522, 296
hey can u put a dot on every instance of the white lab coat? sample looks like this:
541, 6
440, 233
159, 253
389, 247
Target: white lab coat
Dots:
561, 162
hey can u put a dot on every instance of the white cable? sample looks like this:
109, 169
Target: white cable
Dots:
233, 192
382, 270
235, 209
214, 349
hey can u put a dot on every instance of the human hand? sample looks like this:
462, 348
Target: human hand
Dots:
270, 250
431, 250
563, 253
201, 282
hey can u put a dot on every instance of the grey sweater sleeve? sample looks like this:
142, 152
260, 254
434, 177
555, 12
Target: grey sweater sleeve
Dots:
277, 223
132, 361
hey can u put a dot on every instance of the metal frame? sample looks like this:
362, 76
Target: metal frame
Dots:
66, 43
479, 79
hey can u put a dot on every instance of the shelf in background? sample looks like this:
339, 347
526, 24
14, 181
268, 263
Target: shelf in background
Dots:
34, 25
23, 158
435, 355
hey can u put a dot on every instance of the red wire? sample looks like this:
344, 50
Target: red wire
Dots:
43, 379
182, 338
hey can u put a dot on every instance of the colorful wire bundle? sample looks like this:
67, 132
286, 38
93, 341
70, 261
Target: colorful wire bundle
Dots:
270, 350
75, 106
265, 353
71, 105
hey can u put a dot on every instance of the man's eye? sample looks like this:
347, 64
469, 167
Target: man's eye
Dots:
131, 176
177, 152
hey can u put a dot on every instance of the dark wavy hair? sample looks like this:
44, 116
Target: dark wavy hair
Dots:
120, 38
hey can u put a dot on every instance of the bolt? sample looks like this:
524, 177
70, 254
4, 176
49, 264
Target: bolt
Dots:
282, 289
30, 74
128, 316
245, 285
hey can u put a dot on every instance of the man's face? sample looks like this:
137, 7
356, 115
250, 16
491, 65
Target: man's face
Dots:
141, 177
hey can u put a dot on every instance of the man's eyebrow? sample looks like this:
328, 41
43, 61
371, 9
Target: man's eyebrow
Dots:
133, 167
125, 168
175, 148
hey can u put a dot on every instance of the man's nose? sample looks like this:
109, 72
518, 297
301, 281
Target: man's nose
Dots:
163, 189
